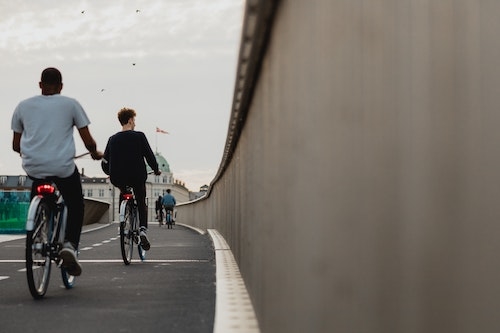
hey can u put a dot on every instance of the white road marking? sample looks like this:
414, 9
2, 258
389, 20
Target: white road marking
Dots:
99, 261
6, 238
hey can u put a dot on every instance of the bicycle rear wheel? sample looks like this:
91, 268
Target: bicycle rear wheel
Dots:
38, 261
126, 234
169, 219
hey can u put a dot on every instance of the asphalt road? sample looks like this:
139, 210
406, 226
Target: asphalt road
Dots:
172, 291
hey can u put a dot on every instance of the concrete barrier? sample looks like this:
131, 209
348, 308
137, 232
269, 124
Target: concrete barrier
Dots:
96, 211
359, 186
13, 218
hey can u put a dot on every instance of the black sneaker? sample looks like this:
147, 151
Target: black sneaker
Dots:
144, 239
69, 260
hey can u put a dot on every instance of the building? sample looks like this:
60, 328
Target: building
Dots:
196, 195
99, 188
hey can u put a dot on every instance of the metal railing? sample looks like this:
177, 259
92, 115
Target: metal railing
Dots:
13, 210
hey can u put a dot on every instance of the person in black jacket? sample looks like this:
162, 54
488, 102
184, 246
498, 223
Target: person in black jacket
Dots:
124, 162
159, 210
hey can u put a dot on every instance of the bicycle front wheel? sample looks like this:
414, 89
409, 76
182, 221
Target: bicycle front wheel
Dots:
38, 261
142, 252
68, 280
126, 234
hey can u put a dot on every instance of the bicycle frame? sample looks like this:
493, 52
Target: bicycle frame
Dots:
129, 227
169, 218
49, 192
46, 227
126, 198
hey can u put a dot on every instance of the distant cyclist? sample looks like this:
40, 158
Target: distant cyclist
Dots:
159, 210
124, 162
43, 135
169, 203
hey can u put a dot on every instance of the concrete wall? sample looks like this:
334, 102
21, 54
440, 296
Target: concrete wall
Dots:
360, 184
96, 211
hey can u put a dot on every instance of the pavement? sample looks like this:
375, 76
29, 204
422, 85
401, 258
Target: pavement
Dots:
189, 282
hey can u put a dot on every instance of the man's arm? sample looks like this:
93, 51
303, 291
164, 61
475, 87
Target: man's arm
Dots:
16, 142
89, 142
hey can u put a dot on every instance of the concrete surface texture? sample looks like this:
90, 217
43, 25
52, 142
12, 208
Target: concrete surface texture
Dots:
361, 194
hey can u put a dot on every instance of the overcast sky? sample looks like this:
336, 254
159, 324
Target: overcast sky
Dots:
173, 61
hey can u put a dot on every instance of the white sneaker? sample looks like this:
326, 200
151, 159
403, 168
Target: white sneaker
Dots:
69, 260
144, 239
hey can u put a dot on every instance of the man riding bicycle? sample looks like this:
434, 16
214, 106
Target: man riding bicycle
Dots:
159, 210
43, 136
124, 162
169, 203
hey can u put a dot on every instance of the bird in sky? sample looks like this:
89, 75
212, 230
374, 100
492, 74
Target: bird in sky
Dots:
83, 11
137, 10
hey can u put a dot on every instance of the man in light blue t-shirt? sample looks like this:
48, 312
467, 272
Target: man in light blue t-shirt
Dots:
43, 136
168, 200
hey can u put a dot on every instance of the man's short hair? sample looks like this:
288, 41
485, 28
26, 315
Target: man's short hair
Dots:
51, 75
125, 114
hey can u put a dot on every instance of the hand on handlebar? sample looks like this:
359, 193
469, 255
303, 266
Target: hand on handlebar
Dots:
97, 155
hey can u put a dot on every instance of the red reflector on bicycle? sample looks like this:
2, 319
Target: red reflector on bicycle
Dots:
45, 189
127, 196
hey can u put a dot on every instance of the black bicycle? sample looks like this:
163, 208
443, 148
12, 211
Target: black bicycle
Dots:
160, 216
169, 219
129, 227
45, 226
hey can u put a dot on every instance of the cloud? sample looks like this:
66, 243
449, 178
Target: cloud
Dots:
185, 53
110, 30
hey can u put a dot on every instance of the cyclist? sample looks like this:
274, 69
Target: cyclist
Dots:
169, 203
43, 136
159, 210
124, 162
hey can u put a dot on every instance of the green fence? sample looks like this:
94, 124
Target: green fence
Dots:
13, 211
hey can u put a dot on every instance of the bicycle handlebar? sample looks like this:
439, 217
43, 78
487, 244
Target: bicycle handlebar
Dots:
81, 155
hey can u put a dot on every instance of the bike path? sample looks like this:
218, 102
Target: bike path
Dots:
189, 282
172, 291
